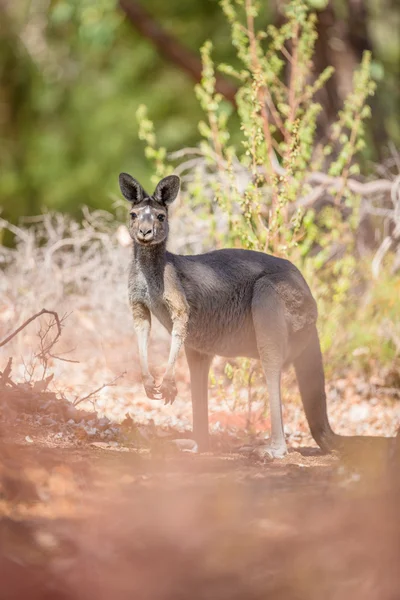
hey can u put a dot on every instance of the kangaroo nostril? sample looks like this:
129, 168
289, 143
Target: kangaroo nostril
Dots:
145, 232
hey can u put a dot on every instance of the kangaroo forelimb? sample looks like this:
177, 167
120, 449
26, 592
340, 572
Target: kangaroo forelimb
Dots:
142, 325
179, 311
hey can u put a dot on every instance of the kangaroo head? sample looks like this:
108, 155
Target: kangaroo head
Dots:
149, 214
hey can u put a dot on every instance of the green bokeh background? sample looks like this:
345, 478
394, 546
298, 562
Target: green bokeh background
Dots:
73, 73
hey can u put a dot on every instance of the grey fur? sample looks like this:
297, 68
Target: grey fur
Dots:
229, 303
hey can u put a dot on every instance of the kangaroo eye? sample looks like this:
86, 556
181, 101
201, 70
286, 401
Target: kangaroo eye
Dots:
133, 216
161, 217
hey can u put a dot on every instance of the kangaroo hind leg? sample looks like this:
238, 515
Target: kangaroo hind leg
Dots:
272, 341
199, 366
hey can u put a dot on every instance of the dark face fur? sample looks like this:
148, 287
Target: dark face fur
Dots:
149, 214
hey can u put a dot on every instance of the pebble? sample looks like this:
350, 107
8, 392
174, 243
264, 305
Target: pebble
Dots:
91, 431
359, 412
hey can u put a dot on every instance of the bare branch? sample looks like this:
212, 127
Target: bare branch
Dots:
44, 311
380, 255
368, 188
105, 385
17, 231
390, 240
62, 355
171, 48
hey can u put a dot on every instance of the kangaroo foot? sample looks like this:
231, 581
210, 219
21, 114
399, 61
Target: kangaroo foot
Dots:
168, 390
270, 450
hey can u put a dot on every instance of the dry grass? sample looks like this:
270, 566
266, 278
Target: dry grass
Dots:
81, 270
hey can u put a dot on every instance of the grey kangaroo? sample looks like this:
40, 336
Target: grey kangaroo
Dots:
228, 303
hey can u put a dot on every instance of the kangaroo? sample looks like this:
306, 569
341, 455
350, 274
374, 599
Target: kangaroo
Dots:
228, 303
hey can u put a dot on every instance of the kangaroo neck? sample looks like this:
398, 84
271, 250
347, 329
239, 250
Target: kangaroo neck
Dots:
150, 260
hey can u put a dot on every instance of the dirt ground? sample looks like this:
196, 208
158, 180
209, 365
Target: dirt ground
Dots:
83, 519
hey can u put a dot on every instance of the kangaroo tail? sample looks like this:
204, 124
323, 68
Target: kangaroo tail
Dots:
311, 380
310, 377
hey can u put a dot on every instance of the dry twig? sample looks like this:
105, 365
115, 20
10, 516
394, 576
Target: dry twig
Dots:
105, 385
44, 311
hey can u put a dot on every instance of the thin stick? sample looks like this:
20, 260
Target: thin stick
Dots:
67, 360
44, 311
105, 385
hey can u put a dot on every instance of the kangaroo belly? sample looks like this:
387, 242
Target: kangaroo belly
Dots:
220, 338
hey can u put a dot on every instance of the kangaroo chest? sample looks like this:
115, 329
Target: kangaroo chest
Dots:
158, 306
155, 294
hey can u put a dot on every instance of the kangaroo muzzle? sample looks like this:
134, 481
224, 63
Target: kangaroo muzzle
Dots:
146, 231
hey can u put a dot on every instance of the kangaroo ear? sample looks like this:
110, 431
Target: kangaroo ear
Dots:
130, 188
167, 190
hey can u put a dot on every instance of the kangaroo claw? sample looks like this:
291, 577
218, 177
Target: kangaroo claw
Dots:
151, 389
168, 390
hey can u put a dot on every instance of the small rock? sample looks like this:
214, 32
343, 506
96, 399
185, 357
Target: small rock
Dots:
109, 446
46, 539
359, 412
186, 445
91, 431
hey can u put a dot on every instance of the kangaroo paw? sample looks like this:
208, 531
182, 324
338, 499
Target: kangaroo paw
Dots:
152, 391
168, 390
